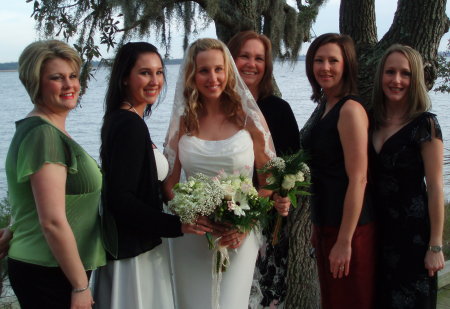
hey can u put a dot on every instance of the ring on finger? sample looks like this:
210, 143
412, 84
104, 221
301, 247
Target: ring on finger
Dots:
341, 267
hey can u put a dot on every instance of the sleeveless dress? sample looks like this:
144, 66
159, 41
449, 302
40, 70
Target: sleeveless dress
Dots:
404, 224
329, 181
141, 282
191, 257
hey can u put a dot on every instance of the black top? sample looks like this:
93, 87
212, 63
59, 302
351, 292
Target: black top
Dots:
132, 190
282, 124
402, 208
328, 176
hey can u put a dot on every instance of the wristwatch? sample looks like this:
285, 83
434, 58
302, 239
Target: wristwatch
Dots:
435, 249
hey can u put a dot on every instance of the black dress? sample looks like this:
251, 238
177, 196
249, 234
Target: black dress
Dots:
271, 265
404, 224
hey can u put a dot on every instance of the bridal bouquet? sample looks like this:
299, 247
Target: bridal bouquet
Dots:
289, 176
228, 199
241, 206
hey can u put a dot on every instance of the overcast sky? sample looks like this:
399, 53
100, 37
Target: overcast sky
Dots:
18, 29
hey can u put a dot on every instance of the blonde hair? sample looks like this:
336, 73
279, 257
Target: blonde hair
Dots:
418, 99
33, 58
194, 106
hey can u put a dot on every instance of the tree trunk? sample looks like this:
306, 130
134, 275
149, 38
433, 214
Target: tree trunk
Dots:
303, 284
357, 14
419, 24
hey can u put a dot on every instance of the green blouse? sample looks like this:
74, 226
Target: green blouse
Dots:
36, 142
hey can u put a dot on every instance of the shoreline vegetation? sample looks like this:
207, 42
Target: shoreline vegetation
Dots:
13, 66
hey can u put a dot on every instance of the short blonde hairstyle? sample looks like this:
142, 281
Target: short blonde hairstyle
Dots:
418, 99
33, 59
194, 104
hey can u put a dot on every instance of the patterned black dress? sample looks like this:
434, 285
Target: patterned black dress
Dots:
270, 279
404, 224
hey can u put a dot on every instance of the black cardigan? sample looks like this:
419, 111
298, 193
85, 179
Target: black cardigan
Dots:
132, 191
282, 124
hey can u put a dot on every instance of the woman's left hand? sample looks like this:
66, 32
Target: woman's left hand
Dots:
434, 261
232, 239
282, 204
340, 259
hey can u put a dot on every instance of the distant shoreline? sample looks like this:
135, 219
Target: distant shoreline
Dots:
13, 66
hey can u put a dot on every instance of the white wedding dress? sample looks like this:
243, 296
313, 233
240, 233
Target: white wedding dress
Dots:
191, 258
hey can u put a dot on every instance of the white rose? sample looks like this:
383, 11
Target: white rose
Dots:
228, 191
288, 182
300, 176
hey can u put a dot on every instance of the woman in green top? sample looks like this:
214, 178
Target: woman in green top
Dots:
54, 188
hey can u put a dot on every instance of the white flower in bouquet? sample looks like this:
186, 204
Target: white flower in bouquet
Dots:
300, 176
248, 188
277, 163
288, 182
238, 204
198, 196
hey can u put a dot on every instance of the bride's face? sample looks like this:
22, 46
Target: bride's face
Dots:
210, 74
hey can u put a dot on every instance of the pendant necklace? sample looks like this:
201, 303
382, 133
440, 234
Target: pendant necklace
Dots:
132, 107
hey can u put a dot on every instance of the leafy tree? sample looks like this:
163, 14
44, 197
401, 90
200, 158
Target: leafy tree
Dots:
112, 22
420, 24
444, 71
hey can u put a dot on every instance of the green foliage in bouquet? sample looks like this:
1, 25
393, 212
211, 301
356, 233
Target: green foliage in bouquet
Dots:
288, 175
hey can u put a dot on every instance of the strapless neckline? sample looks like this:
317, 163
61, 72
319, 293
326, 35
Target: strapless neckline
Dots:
215, 141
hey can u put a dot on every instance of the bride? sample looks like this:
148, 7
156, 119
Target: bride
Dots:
215, 125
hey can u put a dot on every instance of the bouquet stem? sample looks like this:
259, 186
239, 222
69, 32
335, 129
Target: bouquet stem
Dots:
276, 230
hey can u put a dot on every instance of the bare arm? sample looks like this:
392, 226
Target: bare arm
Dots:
353, 132
48, 185
432, 154
5, 238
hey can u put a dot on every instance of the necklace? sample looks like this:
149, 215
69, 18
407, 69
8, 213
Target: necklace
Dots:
132, 107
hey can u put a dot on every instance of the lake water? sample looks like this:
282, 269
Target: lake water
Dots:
84, 122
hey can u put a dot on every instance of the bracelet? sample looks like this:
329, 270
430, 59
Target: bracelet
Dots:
79, 290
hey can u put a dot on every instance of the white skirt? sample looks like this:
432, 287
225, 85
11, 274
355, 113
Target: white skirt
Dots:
192, 262
141, 282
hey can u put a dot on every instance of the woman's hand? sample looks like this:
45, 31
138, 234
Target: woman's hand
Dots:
232, 239
5, 238
340, 259
282, 204
203, 225
434, 261
82, 300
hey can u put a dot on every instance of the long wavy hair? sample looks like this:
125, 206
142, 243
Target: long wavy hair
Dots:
350, 75
265, 87
194, 105
418, 99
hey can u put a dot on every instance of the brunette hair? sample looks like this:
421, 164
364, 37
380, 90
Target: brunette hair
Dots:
418, 99
33, 59
265, 87
194, 106
124, 62
349, 76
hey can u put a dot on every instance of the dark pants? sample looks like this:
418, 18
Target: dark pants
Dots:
357, 290
38, 287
